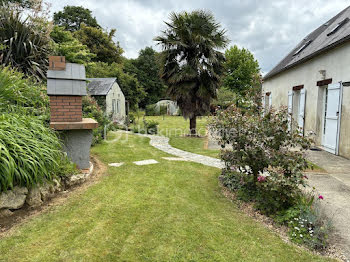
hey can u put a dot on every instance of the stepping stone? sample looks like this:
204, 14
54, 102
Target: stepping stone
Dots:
175, 158
146, 162
115, 164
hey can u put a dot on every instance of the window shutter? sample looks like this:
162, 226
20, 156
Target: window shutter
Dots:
290, 108
301, 116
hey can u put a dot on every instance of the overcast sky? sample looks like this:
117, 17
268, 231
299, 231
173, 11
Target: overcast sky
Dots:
269, 29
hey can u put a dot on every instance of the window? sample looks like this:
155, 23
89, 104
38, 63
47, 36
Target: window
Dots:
118, 106
338, 26
113, 106
302, 47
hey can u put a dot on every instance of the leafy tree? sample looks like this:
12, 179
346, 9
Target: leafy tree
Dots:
25, 42
70, 47
100, 43
241, 69
146, 68
224, 98
191, 65
129, 84
72, 17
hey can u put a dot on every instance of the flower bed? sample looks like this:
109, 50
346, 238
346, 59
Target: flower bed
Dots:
265, 160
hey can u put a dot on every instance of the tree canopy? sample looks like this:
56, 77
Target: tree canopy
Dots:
146, 68
65, 44
100, 43
191, 64
72, 17
241, 69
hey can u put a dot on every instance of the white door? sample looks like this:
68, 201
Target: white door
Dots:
301, 114
290, 108
332, 118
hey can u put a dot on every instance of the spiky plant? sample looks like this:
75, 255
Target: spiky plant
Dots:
24, 42
191, 63
29, 151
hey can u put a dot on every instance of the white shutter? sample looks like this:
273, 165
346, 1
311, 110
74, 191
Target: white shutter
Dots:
270, 100
290, 109
301, 116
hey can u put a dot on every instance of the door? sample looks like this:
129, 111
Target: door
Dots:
332, 115
301, 113
290, 109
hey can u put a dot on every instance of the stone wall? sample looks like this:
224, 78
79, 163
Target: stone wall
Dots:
20, 197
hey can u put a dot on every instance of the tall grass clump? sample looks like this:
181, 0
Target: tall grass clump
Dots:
22, 95
29, 151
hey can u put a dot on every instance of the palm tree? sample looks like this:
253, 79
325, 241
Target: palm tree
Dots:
191, 64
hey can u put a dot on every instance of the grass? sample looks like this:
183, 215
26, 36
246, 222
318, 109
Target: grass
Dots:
176, 127
315, 168
171, 211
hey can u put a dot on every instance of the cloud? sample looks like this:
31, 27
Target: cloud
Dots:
269, 29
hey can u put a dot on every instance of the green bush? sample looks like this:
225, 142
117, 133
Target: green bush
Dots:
22, 95
151, 110
30, 152
151, 127
92, 110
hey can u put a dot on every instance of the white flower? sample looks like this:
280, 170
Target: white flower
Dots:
301, 235
297, 228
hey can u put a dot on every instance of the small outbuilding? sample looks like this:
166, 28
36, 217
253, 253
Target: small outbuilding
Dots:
109, 96
172, 108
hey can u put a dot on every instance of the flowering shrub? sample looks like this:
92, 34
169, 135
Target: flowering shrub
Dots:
273, 156
310, 227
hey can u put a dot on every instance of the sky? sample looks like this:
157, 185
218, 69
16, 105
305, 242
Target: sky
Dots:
269, 29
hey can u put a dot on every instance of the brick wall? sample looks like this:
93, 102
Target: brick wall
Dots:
66, 108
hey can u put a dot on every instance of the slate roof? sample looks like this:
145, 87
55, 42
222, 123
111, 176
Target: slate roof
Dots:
100, 86
321, 41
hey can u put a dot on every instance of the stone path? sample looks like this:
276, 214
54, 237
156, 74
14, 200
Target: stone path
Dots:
145, 162
162, 143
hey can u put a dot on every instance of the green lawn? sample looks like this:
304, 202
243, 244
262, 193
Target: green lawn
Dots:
176, 127
171, 211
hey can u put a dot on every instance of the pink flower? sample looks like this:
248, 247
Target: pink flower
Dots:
305, 177
261, 178
320, 197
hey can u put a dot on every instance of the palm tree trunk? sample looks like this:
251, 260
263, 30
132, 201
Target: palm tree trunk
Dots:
193, 125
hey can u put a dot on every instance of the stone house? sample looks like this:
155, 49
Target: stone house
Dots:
313, 82
109, 96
